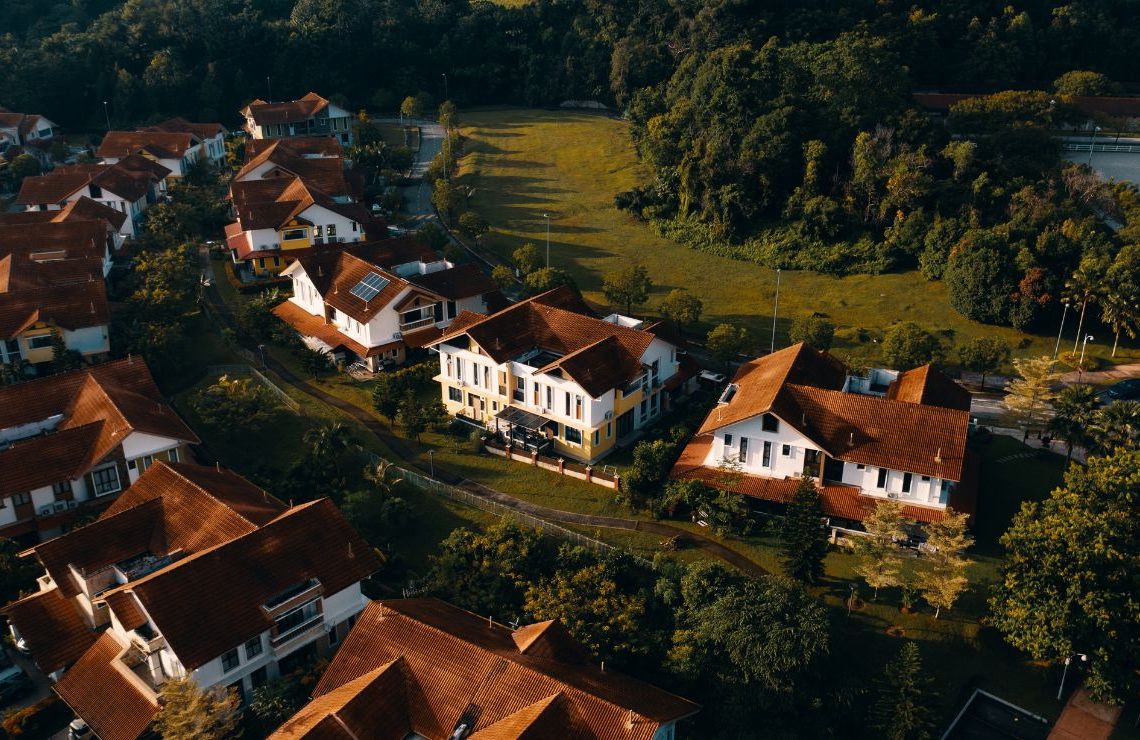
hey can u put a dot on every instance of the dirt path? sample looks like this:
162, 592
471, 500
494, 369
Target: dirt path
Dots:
408, 455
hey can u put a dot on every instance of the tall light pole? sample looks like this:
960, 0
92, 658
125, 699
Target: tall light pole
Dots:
268, 89
547, 217
1057, 348
1081, 364
107, 115
775, 310
1061, 689
445, 94
1092, 145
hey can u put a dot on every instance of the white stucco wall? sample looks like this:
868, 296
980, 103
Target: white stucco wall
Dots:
90, 340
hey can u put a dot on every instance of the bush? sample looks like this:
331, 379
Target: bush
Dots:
42, 719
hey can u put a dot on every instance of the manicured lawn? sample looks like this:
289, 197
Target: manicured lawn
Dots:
524, 163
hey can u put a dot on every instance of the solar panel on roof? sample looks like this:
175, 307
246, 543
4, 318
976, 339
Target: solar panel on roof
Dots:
370, 286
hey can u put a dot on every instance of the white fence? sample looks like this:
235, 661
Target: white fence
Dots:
250, 370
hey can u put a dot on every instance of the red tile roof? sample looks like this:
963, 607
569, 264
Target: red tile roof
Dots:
52, 627
292, 111
114, 702
597, 354
323, 173
802, 387
237, 577
461, 281
324, 146
162, 144
450, 661
314, 326
925, 385
181, 125
83, 209
99, 406
129, 179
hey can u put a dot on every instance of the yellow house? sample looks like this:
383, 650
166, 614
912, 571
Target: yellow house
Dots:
549, 376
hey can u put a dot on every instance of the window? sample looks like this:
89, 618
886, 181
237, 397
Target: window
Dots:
95, 191
230, 661
786, 450
597, 437
318, 230
261, 262
767, 459
860, 466
578, 407
459, 368
907, 477
743, 456
486, 376
334, 636
572, 435
105, 480
567, 403
549, 397
39, 342
22, 499
882, 482
536, 394
332, 230
769, 423
728, 440
454, 394
925, 478
295, 618
253, 648
609, 429
61, 490
452, 309
294, 234
260, 677
520, 389
354, 227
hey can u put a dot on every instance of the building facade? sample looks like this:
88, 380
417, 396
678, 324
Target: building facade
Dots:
551, 377
311, 115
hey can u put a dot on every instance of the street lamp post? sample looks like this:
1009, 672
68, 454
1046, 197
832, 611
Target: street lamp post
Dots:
1092, 144
1064, 313
547, 217
1081, 364
431, 462
261, 347
775, 310
107, 115
445, 95
1061, 689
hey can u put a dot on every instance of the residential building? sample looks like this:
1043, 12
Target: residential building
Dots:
312, 115
82, 210
372, 302
26, 133
177, 151
194, 572
129, 186
52, 281
282, 214
70, 443
212, 136
885, 435
422, 668
556, 379
300, 146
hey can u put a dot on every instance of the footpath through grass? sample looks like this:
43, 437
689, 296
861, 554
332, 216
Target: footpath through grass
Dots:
524, 163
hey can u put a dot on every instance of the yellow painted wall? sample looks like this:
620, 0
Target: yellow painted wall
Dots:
270, 268
42, 354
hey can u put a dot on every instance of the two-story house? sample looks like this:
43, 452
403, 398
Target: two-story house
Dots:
177, 151
798, 412
372, 302
279, 217
312, 115
192, 571
70, 443
82, 210
211, 135
52, 281
129, 186
422, 668
553, 377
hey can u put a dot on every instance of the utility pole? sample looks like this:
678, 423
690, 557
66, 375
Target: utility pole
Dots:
107, 115
775, 310
446, 96
268, 90
547, 217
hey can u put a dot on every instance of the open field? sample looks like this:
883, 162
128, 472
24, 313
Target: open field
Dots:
524, 163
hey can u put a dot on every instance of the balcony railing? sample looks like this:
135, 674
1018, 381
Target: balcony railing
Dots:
413, 325
301, 630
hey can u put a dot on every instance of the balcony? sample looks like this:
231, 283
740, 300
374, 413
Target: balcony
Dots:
413, 325
303, 633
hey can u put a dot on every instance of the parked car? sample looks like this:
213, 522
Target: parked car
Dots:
1125, 390
78, 730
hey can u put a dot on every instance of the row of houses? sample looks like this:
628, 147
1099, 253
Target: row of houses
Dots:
194, 571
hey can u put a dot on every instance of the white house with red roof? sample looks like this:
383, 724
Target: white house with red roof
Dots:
26, 132
885, 435
311, 115
194, 572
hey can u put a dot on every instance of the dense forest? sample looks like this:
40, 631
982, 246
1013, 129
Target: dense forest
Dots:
779, 133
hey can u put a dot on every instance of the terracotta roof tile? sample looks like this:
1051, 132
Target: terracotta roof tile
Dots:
324, 146
291, 111
126, 609
314, 326
461, 281
926, 385
82, 209
162, 144
456, 663
65, 453
181, 125
373, 706
52, 627
235, 578
99, 688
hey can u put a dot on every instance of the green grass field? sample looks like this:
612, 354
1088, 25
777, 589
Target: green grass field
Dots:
524, 163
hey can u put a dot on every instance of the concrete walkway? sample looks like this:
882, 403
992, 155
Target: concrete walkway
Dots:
409, 454
1119, 372
1084, 719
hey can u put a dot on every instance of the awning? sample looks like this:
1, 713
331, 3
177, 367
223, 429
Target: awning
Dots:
522, 418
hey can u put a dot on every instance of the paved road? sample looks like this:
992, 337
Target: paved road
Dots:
409, 455
417, 195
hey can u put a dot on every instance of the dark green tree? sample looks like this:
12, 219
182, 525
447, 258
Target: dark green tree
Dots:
803, 538
816, 331
548, 278
984, 355
902, 705
627, 287
726, 342
907, 345
682, 307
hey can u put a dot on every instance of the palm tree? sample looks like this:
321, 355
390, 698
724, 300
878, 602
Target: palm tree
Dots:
382, 477
1116, 425
1084, 286
1073, 412
1122, 315
326, 446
